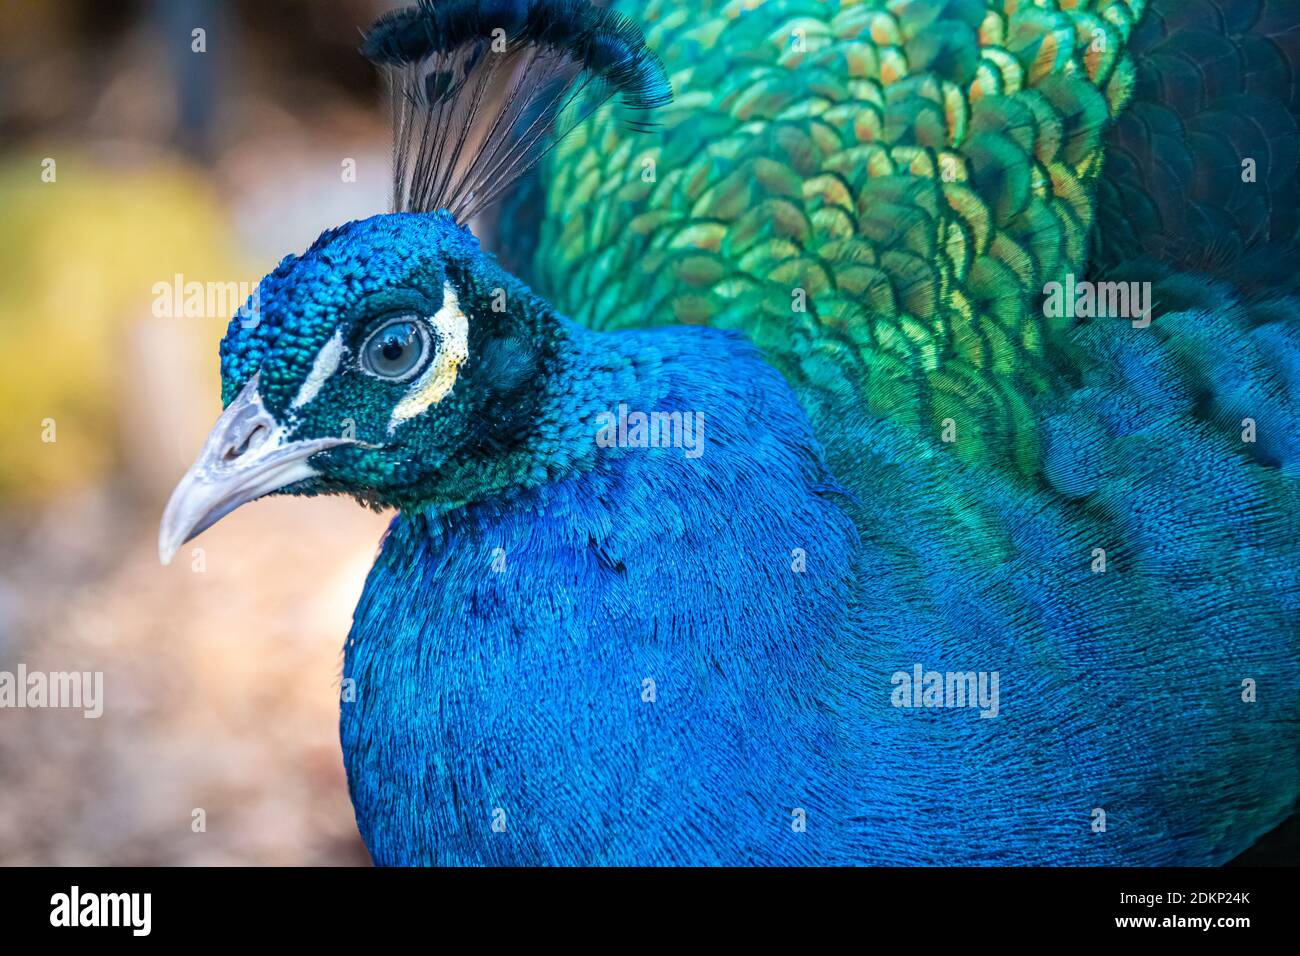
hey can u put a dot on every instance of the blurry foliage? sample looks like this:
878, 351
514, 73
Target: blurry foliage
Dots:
124, 68
79, 258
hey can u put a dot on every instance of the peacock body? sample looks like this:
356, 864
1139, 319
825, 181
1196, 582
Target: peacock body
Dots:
929, 569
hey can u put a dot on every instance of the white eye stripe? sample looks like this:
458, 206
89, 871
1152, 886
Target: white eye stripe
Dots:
326, 364
452, 328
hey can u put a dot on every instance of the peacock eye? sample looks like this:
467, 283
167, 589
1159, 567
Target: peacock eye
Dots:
395, 350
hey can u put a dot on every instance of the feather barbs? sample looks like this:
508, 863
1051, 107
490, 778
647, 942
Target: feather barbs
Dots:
483, 89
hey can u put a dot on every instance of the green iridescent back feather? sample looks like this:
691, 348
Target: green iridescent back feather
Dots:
875, 192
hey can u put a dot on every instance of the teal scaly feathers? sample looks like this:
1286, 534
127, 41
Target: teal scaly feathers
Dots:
875, 193
942, 575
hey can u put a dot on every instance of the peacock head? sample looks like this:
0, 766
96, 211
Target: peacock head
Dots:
394, 360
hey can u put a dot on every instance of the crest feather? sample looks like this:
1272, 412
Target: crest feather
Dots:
483, 89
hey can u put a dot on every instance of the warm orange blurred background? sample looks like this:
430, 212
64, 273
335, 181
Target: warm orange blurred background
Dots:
128, 157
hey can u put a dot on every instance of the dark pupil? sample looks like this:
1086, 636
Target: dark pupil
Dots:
394, 345
394, 351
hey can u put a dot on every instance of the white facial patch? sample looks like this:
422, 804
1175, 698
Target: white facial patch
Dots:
326, 364
452, 329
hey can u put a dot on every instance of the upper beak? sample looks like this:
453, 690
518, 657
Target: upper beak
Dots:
245, 457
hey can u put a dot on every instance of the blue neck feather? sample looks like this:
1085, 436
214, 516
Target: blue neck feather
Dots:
593, 622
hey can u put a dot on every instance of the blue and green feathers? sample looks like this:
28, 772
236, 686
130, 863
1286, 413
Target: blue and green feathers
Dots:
835, 251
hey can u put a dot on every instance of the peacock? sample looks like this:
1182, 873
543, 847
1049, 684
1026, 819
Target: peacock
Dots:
870, 438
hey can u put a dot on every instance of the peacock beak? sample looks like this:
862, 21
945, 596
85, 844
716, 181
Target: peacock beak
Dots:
246, 455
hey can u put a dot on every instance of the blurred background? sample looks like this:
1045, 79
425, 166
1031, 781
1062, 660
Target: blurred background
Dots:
136, 154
